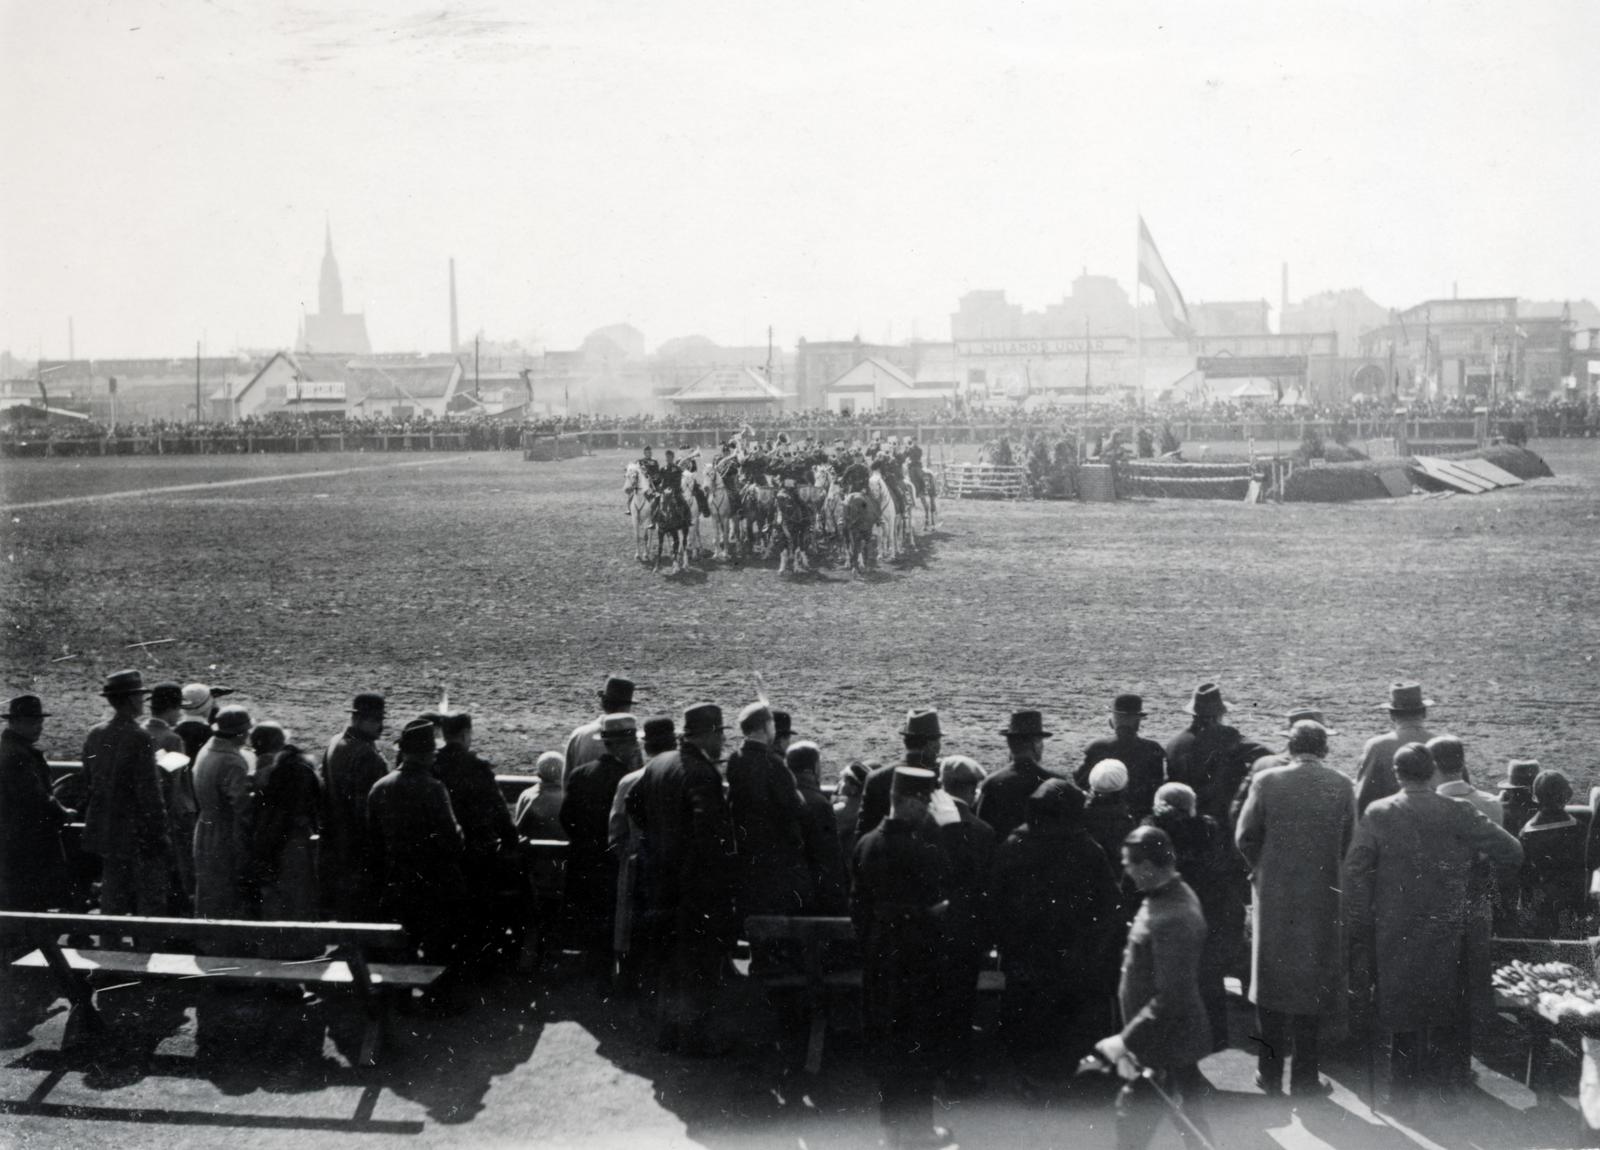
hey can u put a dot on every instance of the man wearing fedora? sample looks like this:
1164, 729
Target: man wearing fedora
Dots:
125, 822
898, 891
1294, 829
1003, 796
585, 745
33, 868
225, 829
1145, 759
1407, 712
1210, 756
351, 766
687, 873
591, 894
923, 741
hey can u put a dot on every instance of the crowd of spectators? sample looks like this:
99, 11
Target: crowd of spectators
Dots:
477, 431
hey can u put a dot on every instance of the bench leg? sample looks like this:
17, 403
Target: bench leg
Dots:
84, 1016
819, 1028
372, 1035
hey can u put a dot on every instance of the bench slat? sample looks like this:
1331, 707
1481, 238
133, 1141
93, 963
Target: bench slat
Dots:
828, 928
218, 933
219, 968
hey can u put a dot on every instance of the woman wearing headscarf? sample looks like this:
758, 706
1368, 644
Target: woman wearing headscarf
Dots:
1053, 899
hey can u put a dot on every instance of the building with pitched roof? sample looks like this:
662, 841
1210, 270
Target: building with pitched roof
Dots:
740, 391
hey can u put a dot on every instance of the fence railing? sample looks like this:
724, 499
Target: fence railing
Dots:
492, 437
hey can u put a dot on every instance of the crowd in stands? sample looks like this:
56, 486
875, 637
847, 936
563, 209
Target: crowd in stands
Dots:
1113, 885
486, 432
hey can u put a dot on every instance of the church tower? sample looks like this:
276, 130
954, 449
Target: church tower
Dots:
330, 292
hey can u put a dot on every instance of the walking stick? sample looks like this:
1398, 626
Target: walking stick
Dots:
1094, 1059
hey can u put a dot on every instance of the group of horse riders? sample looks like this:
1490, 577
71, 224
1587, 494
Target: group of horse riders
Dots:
785, 493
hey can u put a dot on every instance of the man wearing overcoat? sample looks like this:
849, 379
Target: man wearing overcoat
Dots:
1408, 905
1145, 759
33, 869
686, 875
351, 766
1003, 797
126, 823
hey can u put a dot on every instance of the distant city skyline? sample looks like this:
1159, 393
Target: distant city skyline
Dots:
829, 169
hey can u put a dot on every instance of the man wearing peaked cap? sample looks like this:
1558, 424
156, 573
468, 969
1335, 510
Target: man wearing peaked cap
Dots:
33, 869
586, 817
351, 766
416, 851
1408, 712
899, 884
923, 739
125, 822
687, 869
1145, 759
225, 822
584, 745
1003, 797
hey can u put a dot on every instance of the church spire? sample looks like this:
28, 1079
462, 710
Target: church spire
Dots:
330, 292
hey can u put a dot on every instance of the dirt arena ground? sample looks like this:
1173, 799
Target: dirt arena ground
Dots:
514, 585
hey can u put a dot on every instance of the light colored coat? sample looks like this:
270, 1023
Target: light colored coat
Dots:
1294, 829
222, 834
1408, 902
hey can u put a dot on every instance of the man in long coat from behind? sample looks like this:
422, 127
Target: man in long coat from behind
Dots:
1294, 829
1408, 906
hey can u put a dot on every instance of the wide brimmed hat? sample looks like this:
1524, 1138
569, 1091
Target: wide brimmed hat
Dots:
1305, 715
26, 707
622, 726
702, 719
1128, 705
1206, 701
1405, 697
618, 692
417, 736
123, 683
1026, 725
922, 723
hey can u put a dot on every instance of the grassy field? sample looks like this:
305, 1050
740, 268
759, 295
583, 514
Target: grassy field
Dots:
514, 585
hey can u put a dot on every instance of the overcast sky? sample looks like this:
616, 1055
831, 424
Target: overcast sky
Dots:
829, 168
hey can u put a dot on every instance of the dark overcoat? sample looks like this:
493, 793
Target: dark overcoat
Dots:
1003, 796
350, 769
1213, 761
591, 893
33, 869
686, 851
126, 821
766, 810
1053, 903
1146, 762
415, 850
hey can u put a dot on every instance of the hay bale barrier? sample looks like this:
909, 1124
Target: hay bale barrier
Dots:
1346, 482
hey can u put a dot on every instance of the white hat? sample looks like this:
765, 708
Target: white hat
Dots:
196, 697
1108, 777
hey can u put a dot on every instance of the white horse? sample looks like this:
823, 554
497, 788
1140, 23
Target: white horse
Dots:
691, 481
888, 521
635, 490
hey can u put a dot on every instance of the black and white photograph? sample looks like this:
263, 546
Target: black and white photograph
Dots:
700, 575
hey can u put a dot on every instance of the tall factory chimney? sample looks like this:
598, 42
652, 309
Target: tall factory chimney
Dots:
1283, 307
455, 329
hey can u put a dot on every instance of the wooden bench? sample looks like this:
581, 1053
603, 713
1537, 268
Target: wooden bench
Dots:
813, 933
375, 983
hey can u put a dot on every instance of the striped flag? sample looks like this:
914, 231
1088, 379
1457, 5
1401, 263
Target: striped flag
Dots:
1169, 300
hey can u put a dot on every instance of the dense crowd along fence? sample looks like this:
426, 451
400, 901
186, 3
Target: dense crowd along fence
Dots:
1265, 435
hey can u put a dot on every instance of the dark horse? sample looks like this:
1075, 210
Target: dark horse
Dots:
668, 513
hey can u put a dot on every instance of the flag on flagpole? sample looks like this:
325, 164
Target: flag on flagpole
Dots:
1169, 300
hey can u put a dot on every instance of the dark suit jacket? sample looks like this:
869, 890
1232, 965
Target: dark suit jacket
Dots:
686, 851
1003, 796
33, 870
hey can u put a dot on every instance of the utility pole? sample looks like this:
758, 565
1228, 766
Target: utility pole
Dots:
1086, 367
476, 340
769, 353
197, 381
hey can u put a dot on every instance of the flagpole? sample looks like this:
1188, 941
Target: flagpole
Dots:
1138, 329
